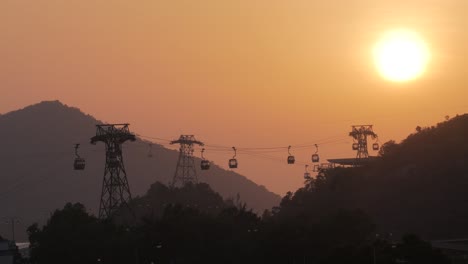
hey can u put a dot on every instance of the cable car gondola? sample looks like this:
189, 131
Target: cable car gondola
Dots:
375, 146
315, 156
316, 168
233, 162
150, 151
204, 164
291, 158
79, 163
306, 173
355, 146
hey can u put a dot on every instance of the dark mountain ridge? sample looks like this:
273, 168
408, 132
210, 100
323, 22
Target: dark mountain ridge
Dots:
37, 156
424, 181
418, 186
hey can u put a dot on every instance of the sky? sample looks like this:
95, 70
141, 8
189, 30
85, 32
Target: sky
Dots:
246, 73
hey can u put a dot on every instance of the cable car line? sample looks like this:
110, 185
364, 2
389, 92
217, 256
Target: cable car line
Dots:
204, 164
233, 162
79, 163
261, 152
150, 151
291, 158
307, 173
315, 156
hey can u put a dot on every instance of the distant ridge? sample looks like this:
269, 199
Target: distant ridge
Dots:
36, 165
418, 186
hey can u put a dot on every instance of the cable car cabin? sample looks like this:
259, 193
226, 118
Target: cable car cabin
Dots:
355, 146
291, 160
79, 164
316, 168
205, 165
233, 163
307, 176
375, 146
315, 158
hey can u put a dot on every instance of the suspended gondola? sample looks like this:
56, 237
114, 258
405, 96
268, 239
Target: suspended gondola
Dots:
150, 151
79, 163
315, 156
307, 173
291, 158
355, 146
376, 146
233, 162
316, 168
204, 164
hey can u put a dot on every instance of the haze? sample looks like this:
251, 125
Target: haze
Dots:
235, 73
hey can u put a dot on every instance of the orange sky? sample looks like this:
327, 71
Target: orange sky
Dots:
246, 73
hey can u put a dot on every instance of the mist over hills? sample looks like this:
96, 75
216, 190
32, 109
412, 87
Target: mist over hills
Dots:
37, 176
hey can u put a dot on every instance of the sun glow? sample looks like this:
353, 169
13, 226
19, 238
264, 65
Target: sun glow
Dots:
401, 55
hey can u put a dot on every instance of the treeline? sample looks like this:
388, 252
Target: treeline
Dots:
193, 224
416, 186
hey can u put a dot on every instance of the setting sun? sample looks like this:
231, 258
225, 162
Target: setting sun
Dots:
401, 55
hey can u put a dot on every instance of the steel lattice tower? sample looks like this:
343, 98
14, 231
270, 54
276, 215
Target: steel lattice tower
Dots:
115, 188
185, 170
360, 133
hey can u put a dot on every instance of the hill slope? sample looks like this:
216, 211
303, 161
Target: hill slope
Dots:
37, 156
418, 186
423, 182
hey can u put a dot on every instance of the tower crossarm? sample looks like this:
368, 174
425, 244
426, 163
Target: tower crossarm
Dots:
113, 132
187, 140
362, 130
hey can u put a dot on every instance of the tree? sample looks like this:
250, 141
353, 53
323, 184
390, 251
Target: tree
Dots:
199, 196
416, 251
388, 148
72, 236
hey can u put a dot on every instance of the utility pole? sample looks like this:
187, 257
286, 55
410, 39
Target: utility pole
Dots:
359, 133
12, 221
115, 189
185, 170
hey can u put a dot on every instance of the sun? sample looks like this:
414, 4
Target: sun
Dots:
401, 55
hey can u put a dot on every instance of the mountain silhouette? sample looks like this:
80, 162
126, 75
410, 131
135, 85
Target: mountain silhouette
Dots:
418, 186
421, 183
37, 176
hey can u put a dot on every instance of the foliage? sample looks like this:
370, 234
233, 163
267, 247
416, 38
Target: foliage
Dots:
417, 251
159, 196
299, 230
388, 148
411, 249
71, 235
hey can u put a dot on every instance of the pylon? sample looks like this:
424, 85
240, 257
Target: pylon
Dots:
360, 133
185, 170
115, 189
